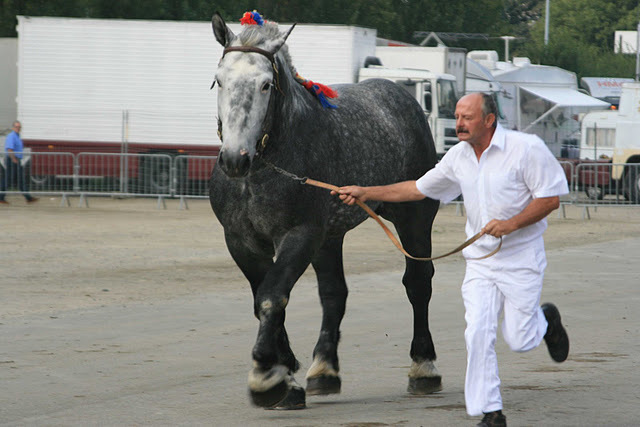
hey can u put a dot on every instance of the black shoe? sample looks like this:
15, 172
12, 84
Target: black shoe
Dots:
32, 200
556, 337
493, 419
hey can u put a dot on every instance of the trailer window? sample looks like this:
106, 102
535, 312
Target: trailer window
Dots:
408, 85
447, 99
601, 137
427, 97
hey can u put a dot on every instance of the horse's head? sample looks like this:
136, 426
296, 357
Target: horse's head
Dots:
247, 78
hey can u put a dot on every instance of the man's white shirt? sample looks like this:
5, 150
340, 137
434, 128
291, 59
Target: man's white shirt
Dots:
511, 172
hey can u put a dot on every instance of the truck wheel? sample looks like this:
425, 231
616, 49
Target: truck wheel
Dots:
39, 181
595, 192
156, 175
632, 184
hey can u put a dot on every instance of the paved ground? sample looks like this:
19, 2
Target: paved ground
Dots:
122, 314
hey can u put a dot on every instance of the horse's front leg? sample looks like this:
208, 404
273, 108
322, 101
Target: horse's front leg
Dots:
271, 380
254, 257
323, 375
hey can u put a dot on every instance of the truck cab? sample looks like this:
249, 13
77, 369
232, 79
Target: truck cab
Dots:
612, 136
436, 93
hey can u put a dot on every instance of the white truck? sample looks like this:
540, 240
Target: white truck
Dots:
435, 76
612, 137
436, 94
143, 86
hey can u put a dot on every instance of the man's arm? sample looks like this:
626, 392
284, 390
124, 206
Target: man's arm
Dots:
534, 212
13, 157
399, 192
10, 144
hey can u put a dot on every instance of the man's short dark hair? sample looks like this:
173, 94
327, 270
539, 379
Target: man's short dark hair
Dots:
489, 106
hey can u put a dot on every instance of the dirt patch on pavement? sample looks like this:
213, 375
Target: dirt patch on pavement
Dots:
116, 251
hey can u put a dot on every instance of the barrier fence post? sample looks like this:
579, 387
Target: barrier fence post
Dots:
183, 203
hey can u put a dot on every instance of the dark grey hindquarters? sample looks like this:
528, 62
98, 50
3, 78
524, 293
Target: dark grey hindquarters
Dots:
274, 226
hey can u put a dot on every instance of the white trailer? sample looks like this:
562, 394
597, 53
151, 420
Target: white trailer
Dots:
540, 99
9, 86
438, 59
143, 86
606, 89
99, 80
614, 135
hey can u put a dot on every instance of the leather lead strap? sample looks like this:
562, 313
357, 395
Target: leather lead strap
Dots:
393, 238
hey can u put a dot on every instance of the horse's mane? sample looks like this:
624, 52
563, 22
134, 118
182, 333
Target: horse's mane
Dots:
258, 36
268, 37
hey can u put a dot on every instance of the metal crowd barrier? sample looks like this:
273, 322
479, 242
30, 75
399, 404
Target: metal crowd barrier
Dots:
593, 185
191, 178
606, 184
187, 177
108, 174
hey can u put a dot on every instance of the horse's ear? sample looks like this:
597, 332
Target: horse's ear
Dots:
283, 39
223, 34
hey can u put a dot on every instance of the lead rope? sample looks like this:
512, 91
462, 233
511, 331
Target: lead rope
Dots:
372, 214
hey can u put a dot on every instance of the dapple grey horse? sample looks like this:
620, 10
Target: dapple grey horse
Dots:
274, 130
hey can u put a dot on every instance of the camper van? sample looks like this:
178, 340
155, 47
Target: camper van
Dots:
540, 99
607, 89
613, 137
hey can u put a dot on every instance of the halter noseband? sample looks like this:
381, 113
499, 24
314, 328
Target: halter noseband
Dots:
266, 123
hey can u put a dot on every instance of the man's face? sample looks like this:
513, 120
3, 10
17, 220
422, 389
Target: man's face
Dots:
470, 125
17, 127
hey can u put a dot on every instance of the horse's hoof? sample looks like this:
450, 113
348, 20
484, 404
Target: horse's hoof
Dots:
271, 397
425, 385
324, 384
295, 399
268, 387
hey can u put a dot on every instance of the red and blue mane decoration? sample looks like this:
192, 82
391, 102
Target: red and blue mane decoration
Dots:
252, 18
320, 91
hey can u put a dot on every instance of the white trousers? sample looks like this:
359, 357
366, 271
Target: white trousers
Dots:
508, 283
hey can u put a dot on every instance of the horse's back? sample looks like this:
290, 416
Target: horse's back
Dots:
386, 129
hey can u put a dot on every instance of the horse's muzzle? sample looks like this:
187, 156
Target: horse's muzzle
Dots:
235, 165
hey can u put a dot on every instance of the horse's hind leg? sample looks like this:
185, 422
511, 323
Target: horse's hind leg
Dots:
414, 230
323, 375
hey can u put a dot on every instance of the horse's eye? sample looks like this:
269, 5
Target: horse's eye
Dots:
266, 87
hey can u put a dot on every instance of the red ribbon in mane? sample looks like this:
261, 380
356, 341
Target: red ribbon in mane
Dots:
320, 91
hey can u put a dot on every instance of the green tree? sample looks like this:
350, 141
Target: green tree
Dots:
581, 34
520, 14
581, 31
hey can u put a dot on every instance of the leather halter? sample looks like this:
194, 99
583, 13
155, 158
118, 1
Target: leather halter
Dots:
266, 123
270, 56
